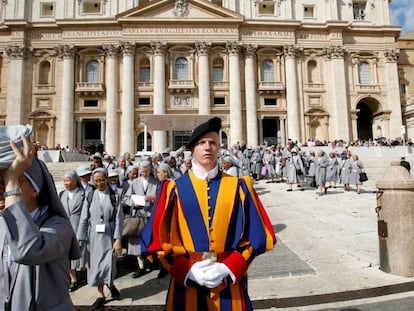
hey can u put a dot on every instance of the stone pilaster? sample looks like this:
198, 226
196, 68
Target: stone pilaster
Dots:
15, 95
67, 52
203, 49
236, 120
338, 92
251, 96
292, 93
159, 140
393, 94
127, 101
112, 99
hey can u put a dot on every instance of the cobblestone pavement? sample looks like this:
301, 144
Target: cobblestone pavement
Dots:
326, 258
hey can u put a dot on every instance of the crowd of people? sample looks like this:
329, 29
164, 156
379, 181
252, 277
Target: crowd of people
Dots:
138, 204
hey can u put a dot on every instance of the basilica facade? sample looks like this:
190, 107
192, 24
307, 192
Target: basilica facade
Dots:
139, 75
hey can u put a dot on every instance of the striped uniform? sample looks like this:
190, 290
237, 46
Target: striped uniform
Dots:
222, 216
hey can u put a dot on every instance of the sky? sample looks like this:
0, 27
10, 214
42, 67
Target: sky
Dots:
402, 13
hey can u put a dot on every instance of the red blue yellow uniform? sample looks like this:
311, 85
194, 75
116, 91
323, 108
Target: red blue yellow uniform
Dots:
221, 218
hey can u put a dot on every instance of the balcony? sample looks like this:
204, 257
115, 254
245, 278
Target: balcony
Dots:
42, 89
90, 88
314, 87
220, 86
273, 87
181, 86
367, 88
145, 86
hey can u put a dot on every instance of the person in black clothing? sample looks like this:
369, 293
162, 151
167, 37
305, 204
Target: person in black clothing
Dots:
406, 164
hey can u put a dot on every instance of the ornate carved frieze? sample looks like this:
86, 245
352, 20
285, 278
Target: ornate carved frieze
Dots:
233, 48
250, 50
392, 55
18, 51
334, 51
203, 48
111, 50
65, 51
181, 8
158, 47
127, 48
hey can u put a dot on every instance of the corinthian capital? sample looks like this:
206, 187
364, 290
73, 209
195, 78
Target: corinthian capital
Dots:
292, 50
111, 50
334, 51
203, 48
250, 50
158, 47
65, 51
233, 48
17, 51
127, 48
392, 55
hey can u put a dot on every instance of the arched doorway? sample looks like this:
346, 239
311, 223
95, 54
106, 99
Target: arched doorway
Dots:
140, 141
368, 111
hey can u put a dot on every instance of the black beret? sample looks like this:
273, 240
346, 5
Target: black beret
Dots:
212, 125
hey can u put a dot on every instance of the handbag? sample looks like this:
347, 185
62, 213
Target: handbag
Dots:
133, 226
299, 171
363, 176
263, 171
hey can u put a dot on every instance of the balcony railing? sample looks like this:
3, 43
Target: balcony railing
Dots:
145, 85
43, 89
90, 88
220, 85
271, 86
367, 88
184, 86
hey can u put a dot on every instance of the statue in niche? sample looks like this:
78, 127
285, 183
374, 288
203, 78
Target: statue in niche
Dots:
181, 8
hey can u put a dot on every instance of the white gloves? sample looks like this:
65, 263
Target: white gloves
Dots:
207, 273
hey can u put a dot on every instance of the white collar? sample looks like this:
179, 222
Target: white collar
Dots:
200, 173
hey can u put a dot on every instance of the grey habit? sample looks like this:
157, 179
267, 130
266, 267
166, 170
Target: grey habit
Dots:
102, 260
40, 249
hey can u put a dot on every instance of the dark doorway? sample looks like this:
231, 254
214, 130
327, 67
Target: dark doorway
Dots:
140, 142
364, 121
270, 129
92, 135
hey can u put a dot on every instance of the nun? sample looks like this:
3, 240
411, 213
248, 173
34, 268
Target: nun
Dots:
101, 227
36, 237
72, 198
230, 166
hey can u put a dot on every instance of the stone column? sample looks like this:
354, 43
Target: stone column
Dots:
338, 91
236, 120
159, 139
111, 81
15, 96
282, 130
127, 102
292, 95
103, 127
67, 52
203, 49
393, 94
251, 97
79, 134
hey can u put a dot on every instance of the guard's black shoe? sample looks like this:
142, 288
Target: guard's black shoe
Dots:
73, 286
99, 303
163, 272
138, 273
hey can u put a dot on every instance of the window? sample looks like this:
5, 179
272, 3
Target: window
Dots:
359, 10
47, 9
268, 71
269, 101
218, 70
91, 7
92, 71
181, 138
44, 72
219, 101
145, 71
140, 141
266, 8
308, 11
181, 68
312, 71
364, 73
90, 103
144, 101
